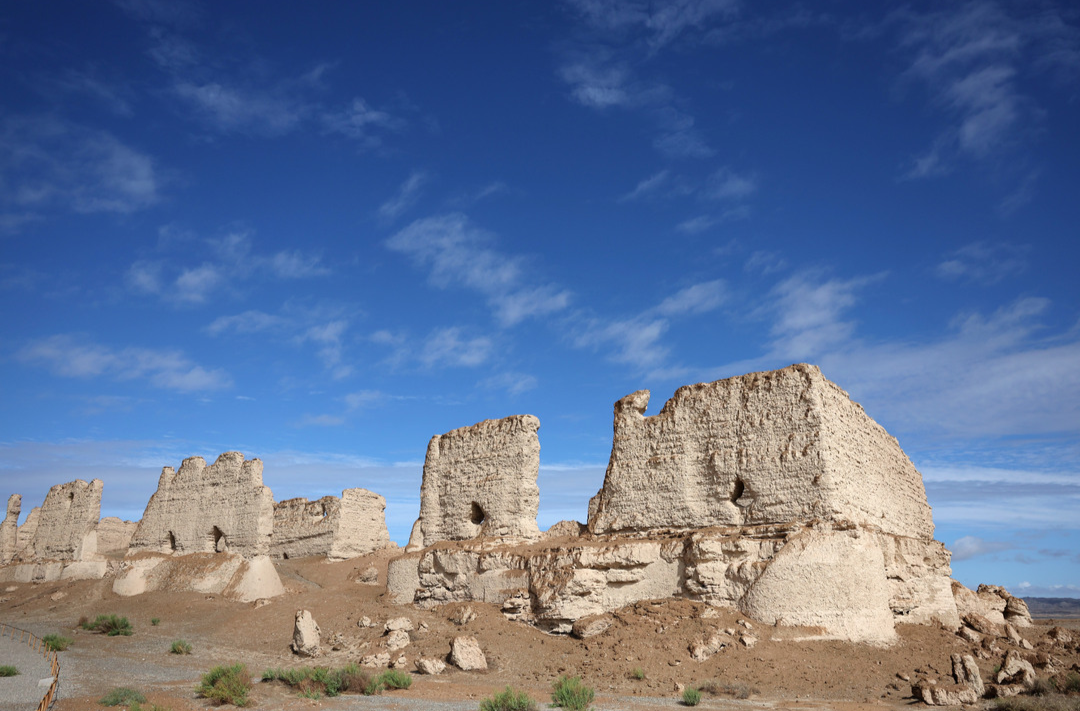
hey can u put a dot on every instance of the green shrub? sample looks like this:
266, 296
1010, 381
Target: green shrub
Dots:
638, 673
155, 621
1042, 687
509, 700
1071, 683
226, 685
1055, 702
56, 643
111, 625
180, 647
333, 682
152, 707
122, 696
395, 679
736, 690
691, 696
570, 692
8, 670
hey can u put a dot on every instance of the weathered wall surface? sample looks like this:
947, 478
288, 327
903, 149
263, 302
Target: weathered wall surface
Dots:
203, 509
28, 529
67, 522
9, 529
233, 576
481, 480
348, 527
771, 492
775, 447
114, 536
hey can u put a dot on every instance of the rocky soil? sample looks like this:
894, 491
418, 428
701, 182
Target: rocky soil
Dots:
654, 640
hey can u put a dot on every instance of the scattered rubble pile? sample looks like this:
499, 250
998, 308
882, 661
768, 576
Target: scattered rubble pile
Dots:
351, 526
772, 493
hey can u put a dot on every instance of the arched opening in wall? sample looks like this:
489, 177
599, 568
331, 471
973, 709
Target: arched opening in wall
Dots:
172, 542
476, 514
737, 491
220, 544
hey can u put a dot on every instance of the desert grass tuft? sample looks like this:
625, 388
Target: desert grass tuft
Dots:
227, 685
180, 647
56, 643
509, 700
691, 696
570, 692
122, 696
737, 690
8, 670
111, 625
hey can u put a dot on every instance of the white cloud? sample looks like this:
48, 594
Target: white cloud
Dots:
460, 254
647, 187
72, 357
361, 123
235, 110
195, 284
725, 185
49, 164
450, 347
329, 339
983, 263
246, 322
765, 262
320, 421
296, 265
512, 383
968, 547
662, 23
404, 198
694, 299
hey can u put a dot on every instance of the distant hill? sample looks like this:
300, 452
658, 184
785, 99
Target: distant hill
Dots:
1053, 606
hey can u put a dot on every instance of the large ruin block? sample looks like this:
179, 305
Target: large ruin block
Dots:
67, 522
206, 509
351, 526
764, 448
481, 481
9, 529
771, 493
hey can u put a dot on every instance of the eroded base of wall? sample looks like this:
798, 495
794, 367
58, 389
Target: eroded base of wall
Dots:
227, 574
852, 583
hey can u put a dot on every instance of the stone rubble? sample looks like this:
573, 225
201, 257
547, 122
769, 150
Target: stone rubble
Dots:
305, 639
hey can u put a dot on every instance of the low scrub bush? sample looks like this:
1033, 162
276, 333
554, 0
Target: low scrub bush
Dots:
309, 681
1052, 702
570, 692
509, 700
152, 707
638, 673
8, 670
1071, 683
111, 625
56, 643
395, 679
737, 690
122, 696
155, 621
180, 647
691, 696
226, 685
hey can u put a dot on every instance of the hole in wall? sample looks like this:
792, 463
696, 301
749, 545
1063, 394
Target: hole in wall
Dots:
476, 514
285, 556
737, 491
172, 542
220, 544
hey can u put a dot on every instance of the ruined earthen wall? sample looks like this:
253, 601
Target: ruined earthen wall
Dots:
114, 536
9, 529
304, 528
481, 480
763, 448
203, 509
361, 527
65, 526
27, 530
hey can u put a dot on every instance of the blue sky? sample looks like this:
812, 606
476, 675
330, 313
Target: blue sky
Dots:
322, 233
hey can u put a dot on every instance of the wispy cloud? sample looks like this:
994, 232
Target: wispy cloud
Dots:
231, 261
510, 382
453, 347
457, 253
637, 341
971, 58
48, 164
405, 197
968, 547
73, 357
660, 23
983, 263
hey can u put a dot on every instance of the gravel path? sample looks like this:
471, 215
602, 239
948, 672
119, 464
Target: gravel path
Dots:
19, 693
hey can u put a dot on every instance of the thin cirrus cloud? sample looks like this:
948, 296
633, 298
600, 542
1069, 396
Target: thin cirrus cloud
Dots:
405, 197
457, 253
974, 60
72, 357
231, 261
983, 263
50, 165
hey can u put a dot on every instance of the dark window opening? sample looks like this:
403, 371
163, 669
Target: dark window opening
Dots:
219, 540
477, 514
737, 491
172, 542
285, 556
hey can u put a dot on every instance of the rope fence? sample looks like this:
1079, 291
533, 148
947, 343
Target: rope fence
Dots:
37, 644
